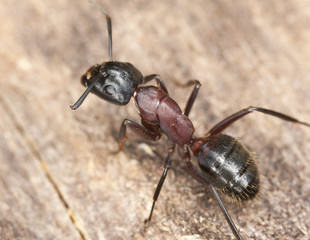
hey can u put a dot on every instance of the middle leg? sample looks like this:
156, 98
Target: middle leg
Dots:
167, 165
161, 181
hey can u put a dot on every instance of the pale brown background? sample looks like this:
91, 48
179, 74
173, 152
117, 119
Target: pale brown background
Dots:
57, 179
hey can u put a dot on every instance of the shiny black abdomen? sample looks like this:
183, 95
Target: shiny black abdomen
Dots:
229, 166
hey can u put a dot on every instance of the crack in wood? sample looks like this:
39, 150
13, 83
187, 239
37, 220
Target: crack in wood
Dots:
34, 150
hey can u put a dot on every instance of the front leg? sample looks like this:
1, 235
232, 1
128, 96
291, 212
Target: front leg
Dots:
143, 130
159, 81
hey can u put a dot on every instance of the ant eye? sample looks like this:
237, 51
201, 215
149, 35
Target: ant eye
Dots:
110, 90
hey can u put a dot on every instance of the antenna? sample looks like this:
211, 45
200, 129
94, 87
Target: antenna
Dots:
97, 78
84, 95
109, 25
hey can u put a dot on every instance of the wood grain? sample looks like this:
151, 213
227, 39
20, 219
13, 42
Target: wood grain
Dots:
58, 178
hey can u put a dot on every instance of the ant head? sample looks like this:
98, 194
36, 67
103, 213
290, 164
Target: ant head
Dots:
112, 81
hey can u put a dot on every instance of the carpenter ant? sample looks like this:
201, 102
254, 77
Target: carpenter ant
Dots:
225, 165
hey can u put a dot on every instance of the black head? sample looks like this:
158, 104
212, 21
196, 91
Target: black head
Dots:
115, 81
112, 81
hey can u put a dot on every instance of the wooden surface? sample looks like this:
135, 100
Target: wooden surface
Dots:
57, 178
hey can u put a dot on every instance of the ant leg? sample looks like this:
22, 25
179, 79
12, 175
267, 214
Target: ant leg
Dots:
234, 117
158, 80
193, 95
145, 132
225, 213
199, 177
161, 182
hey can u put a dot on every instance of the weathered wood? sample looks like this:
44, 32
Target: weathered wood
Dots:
30, 206
58, 180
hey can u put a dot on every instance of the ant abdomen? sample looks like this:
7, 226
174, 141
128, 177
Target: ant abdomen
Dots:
229, 166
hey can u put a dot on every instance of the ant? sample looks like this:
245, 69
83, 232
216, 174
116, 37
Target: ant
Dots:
225, 165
